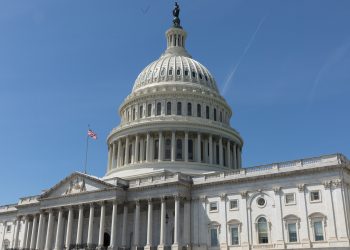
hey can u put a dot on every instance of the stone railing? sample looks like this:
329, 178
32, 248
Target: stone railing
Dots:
28, 199
308, 163
159, 179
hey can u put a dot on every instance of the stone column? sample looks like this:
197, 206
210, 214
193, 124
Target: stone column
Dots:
206, 151
91, 225
160, 147
110, 165
28, 234
228, 153
304, 222
332, 234
199, 147
114, 148
15, 243
279, 232
137, 142
149, 225
239, 157
245, 221
148, 144
176, 244
69, 227
173, 146
235, 156
80, 226
210, 149
186, 146
137, 225
40, 231
48, 242
119, 158
125, 224
23, 243
162, 239
59, 232
102, 225
187, 223
221, 160
34, 232
126, 157
113, 245
223, 221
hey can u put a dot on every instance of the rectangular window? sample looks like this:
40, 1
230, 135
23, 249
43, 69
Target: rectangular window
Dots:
214, 241
315, 196
234, 235
213, 206
289, 199
318, 230
8, 229
179, 108
292, 232
234, 204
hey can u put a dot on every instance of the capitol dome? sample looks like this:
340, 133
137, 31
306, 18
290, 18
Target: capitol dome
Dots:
174, 120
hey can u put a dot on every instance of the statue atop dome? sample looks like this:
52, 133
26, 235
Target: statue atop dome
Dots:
176, 13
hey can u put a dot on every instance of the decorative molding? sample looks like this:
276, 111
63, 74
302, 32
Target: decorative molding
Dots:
301, 187
244, 194
327, 184
223, 196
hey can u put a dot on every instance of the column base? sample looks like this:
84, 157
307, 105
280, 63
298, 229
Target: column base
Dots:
280, 244
176, 247
136, 248
148, 247
112, 248
101, 248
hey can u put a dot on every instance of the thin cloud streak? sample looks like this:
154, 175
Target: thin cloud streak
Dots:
334, 58
245, 51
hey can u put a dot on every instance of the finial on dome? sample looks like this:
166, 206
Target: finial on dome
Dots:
176, 13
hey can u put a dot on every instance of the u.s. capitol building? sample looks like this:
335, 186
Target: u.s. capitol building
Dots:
175, 180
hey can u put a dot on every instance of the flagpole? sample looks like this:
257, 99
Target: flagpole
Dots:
86, 151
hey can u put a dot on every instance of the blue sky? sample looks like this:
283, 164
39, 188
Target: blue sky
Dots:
283, 66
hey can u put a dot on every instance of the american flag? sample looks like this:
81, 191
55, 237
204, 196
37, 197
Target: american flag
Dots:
92, 134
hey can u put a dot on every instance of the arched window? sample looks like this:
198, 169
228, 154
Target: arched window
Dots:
133, 114
193, 74
186, 72
263, 231
199, 110
220, 116
170, 71
141, 111
167, 151
207, 115
178, 71
189, 109
156, 149
178, 149
214, 114
179, 108
168, 108
159, 108
190, 150
200, 75
149, 110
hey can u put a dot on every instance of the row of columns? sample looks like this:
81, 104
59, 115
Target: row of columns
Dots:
142, 150
39, 239
133, 112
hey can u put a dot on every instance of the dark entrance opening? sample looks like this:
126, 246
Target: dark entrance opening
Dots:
106, 240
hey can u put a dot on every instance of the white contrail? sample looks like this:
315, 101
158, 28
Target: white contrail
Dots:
335, 57
233, 71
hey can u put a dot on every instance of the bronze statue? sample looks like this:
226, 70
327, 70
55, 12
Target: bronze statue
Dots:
176, 13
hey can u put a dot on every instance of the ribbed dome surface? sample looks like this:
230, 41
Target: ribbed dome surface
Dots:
175, 68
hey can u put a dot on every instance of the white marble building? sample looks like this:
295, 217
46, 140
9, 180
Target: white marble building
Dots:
174, 180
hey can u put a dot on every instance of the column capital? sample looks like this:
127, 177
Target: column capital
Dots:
203, 198
223, 196
277, 190
137, 202
327, 184
301, 187
244, 194
149, 200
115, 202
163, 198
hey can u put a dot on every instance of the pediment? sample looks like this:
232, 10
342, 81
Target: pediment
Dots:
76, 183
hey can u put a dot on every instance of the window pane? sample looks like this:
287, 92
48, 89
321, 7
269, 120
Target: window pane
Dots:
292, 231
234, 236
149, 109
168, 108
189, 109
213, 206
179, 107
167, 153
159, 108
199, 110
179, 149
233, 204
262, 231
214, 237
318, 231
289, 198
156, 149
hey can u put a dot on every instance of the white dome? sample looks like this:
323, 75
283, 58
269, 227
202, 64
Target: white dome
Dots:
178, 68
